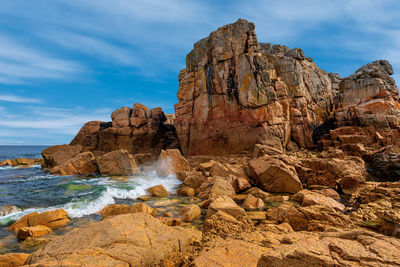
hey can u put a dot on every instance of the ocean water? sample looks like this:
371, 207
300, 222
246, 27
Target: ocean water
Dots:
31, 189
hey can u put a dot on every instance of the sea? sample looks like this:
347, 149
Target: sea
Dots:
82, 197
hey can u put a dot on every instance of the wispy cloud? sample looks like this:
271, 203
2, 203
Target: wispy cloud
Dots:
18, 99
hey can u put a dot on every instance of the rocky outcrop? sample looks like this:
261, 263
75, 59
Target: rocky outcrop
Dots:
118, 209
137, 130
58, 155
13, 259
118, 162
235, 92
346, 248
136, 239
20, 162
51, 219
83, 163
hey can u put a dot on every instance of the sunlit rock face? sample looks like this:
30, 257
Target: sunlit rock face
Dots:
137, 129
236, 92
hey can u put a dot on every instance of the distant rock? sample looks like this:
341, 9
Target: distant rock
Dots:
58, 155
83, 163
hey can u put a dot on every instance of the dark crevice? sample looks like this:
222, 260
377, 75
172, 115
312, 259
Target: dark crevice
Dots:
209, 86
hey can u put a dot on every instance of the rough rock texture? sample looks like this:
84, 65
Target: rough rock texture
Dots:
51, 219
117, 209
274, 175
13, 259
215, 187
309, 198
190, 213
235, 92
385, 164
138, 130
157, 191
57, 155
118, 162
20, 162
225, 204
136, 239
83, 163
33, 231
346, 248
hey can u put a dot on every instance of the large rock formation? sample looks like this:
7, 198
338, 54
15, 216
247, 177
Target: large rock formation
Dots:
236, 92
138, 130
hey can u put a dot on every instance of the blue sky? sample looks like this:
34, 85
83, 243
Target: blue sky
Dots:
66, 62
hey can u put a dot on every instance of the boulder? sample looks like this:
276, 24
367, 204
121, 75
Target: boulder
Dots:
215, 187
157, 191
58, 155
20, 162
274, 175
344, 248
185, 191
194, 179
118, 162
117, 209
171, 161
33, 231
233, 253
136, 239
13, 259
309, 198
52, 219
278, 198
6, 162
225, 204
258, 193
83, 163
7, 209
252, 203
190, 213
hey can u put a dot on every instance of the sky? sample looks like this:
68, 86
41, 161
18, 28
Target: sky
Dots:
67, 62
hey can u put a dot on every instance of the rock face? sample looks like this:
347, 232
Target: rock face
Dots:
235, 92
83, 163
118, 162
137, 129
347, 248
58, 155
136, 239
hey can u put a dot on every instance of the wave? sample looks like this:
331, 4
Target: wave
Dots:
137, 186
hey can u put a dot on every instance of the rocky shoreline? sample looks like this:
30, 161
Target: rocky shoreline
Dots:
281, 164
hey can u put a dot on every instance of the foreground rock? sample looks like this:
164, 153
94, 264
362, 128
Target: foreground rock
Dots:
158, 191
51, 219
13, 259
225, 204
348, 248
126, 240
33, 231
118, 162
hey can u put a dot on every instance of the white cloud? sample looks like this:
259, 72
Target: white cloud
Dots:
18, 99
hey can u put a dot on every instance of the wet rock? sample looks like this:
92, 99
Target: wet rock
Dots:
274, 175
190, 213
171, 161
7, 209
20, 162
118, 162
252, 203
157, 191
52, 219
225, 204
83, 163
185, 191
33, 231
136, 239
144, 198
117, 209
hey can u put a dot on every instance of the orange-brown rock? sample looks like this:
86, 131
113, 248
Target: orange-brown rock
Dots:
225, 204
58, 155
236, 92
51, 219
118, 162
33, 231
83, 163
138, 130
215, 187
117, 209
20, 162
274, 175
157, 191
345, 248
136, 239
171, 161
185, 191
309, 198
194, 179
252, 203
13, 259
190, 213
